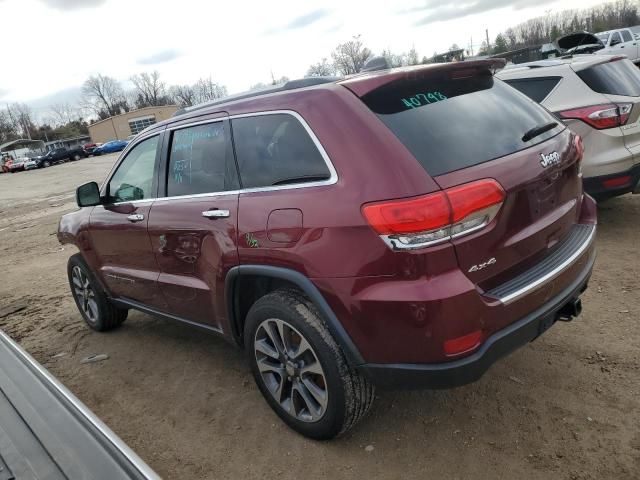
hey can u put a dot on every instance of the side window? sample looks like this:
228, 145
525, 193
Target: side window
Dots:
615, 37
536, 89
626, 36
134, 177
276, 150
201, 161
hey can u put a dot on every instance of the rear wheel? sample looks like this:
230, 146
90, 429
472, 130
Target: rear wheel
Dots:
94, 305
300, 369
76, 157
46, 163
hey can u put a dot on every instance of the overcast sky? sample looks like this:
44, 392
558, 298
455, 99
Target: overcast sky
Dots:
51, 46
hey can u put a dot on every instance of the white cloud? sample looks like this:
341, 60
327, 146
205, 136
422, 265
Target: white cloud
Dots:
58, 45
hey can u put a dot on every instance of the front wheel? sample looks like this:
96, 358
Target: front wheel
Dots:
300, 369
94, 305
76, 157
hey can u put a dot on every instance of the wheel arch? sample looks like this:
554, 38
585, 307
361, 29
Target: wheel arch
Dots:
282, 277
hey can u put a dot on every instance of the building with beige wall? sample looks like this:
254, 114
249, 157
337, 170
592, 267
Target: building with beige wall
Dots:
119, 127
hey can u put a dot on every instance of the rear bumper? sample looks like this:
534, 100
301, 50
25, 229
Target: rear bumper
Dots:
498, 345
606, 186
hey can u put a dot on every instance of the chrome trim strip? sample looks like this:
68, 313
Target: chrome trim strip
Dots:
553, 273
135, 460
333, 174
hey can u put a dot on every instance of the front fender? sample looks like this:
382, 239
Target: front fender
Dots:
73, 229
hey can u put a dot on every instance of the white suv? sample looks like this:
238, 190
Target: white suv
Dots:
598, 97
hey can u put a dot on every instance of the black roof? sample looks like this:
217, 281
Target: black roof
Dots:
290, 85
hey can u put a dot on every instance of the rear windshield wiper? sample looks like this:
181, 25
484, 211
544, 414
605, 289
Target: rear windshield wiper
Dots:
539, 130
302, 178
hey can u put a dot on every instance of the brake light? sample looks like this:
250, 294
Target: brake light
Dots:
437, 217
600, 117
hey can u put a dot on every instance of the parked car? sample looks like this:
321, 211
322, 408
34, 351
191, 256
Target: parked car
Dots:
620, 42
111, 147
59, 155
598, 97
403, 228
579, 43
90, 147
16, 165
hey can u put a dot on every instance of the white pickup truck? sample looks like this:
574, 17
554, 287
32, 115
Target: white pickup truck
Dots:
621, 41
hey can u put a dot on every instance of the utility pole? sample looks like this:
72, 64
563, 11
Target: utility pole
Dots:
488, 44
471, 46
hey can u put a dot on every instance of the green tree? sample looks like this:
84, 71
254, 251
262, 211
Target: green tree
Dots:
500, 45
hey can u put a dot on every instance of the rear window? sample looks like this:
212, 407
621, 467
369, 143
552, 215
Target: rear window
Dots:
614, 78
537, 89
275, 150
453, 123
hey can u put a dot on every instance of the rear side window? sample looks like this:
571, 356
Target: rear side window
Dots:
614, 78
626, 36
201, 161
276, 150
537, 89
451, 123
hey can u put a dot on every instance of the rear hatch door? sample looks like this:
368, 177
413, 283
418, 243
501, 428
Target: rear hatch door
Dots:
463, 125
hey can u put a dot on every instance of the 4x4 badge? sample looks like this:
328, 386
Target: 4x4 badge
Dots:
551, 159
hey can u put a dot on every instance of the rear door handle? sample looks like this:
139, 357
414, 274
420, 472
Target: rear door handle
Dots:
215, 213
136, 217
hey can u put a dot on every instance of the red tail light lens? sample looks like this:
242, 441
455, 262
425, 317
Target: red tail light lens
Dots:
437, 217
463, 344
617, 182
600, 117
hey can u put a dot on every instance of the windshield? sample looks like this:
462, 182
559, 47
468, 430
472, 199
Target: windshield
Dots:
603, 37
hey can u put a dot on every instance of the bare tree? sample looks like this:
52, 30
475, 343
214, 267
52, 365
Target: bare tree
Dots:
321, 69
206, 90
63, 113
20, 116
394, 60
412, 56
150, 90
183, 95
350, 57
104, 96
7, 128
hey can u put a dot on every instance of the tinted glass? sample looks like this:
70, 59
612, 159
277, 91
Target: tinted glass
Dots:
615, 78
536, 89
615, 37
452, 123
276, 150
626, 36
134, 178
201, 161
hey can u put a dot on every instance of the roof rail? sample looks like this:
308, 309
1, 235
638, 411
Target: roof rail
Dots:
289, 85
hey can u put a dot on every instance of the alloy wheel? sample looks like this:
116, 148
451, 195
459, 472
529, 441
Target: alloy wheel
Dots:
290, 370
84, 294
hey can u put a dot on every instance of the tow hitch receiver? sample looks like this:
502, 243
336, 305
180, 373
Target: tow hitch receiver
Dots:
570, 310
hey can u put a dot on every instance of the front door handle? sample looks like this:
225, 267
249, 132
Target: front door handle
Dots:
215, 213
136, 217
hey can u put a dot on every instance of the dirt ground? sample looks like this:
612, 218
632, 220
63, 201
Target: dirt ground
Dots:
565, 407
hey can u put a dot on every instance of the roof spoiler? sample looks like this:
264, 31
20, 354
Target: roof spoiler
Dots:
368, 81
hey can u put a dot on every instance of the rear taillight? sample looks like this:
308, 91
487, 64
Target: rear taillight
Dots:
600, 116
437, 217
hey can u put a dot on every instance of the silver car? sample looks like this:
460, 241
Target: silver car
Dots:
598, 97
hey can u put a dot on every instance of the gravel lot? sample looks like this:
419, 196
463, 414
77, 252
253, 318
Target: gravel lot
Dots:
567, 406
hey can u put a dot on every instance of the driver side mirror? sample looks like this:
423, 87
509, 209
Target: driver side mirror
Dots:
88, 195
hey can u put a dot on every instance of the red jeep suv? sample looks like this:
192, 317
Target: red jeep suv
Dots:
400, 228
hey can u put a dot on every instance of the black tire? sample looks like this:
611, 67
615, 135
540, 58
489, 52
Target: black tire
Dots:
46, 164
76, 157
101, 315
349, 394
